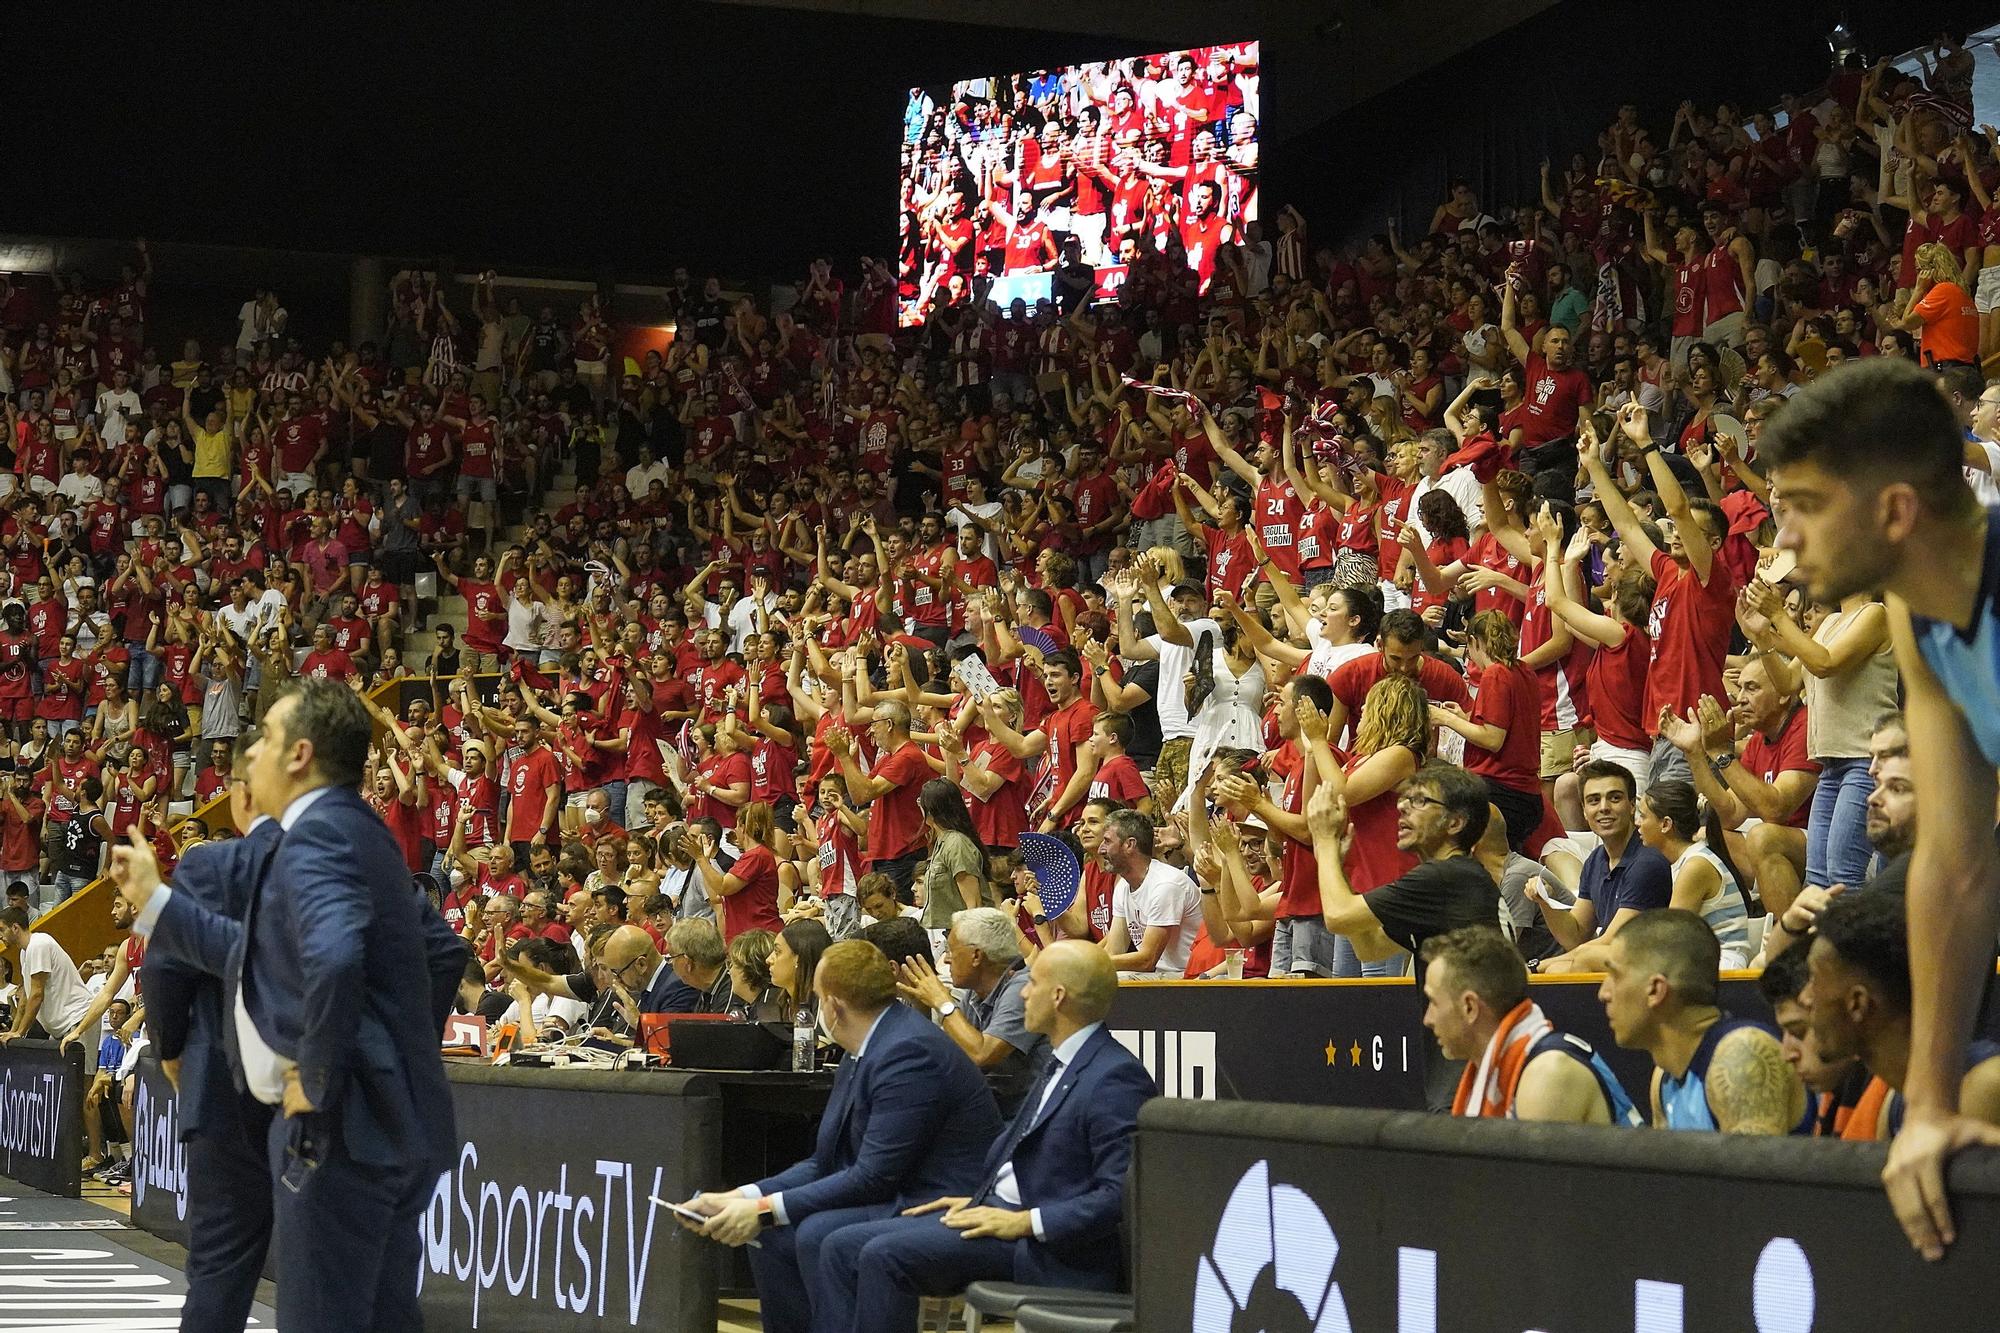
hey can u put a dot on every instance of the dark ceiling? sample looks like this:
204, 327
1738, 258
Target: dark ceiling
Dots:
742, 136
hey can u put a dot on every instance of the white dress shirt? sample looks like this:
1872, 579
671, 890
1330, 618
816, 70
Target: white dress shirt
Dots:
778, 1200
1005, 1187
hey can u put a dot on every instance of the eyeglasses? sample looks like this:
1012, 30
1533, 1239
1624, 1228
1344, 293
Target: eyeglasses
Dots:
1405, 802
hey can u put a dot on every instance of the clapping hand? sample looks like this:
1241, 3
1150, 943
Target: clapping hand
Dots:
1313, 724
1684, 733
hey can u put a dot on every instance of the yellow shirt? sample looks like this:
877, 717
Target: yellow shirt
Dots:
212, 449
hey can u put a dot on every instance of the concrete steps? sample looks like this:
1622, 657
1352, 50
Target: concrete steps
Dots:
418, 644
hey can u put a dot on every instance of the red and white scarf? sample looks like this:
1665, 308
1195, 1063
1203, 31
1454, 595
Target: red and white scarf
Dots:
1494, 1079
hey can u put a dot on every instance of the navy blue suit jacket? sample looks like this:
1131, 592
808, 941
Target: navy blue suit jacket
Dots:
1070, 1161
185, 1001
337, 980
906, 1124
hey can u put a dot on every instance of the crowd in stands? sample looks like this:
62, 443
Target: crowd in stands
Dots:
1378, 595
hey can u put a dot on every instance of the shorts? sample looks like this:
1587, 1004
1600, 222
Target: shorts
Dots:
1987, 297
299, 482
1302, 946
484, 488
1558, 752
1635, 762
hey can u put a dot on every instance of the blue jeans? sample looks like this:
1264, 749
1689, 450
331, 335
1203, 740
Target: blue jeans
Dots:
1347, 964
144, 673
1837, 849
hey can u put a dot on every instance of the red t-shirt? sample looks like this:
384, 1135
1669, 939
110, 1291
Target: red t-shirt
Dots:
1373, 858
485, 615
895, 828
725, 771
1509, 697
1117, 779
1298, 869
1689, 627
1068, 730
1001, 819
528, 783
755, 905
1616, 679
1230, 564
1784, 753
1280, 515
1553, 399
1351, 682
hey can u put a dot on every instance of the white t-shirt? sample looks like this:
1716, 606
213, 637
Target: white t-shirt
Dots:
116, 409
1460, 485
743, 619
990, 511
1165, 897
1176, 659
64, 996
1329, 657
243, 624
80, 488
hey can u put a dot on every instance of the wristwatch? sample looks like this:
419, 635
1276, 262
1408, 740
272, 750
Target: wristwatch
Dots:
1720, 763
947, 1009
1039, 919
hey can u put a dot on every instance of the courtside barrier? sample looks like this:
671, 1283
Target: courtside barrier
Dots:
1285, 1217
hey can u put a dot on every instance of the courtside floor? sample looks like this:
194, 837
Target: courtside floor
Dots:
76, 1264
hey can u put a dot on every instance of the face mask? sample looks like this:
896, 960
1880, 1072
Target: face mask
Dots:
593, 816
458, 879
824, 1030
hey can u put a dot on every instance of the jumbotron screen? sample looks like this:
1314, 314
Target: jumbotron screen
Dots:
1001, 175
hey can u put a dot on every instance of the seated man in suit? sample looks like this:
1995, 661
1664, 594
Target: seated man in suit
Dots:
636, 975
910, 1116
1048, 1209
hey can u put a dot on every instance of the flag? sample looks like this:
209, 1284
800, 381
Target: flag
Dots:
1057, 873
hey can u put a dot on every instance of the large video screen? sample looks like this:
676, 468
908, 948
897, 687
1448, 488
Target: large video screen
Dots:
1003, 175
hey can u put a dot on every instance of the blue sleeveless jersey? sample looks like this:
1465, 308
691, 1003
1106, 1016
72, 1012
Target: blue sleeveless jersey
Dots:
1684, 1100
1968, 665
1623, 1112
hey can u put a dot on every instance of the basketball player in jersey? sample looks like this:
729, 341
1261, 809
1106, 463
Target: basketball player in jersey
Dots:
1711, 1069
1868, 469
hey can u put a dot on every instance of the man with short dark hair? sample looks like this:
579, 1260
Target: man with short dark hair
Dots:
1405, 641
1155, 907
1441, 811
325, 960
1835, 1089
1476, 1004
1712, 1070
1621, 877
1869, 464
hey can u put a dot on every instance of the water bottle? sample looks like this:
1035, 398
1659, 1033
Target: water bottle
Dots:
803, 1040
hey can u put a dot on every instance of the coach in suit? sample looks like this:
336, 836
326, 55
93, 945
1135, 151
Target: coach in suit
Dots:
228, 1185
910, 1117
1052, 1189
335, 1006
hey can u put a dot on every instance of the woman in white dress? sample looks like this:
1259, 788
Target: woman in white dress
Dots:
1230, 714
1669, 819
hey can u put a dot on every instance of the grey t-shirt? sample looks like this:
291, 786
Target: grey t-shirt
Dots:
1004, 1014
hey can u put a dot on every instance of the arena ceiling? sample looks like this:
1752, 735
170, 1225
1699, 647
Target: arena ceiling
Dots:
1324, 55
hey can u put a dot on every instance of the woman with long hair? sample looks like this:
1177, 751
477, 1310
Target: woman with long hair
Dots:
1704, 883
955, 874
1391, 741
1229, 715
749, 889
1503, 732
794, 957
1941, 311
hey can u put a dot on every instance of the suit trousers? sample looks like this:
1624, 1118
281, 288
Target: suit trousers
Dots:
787, 1268
348, 1246
228, 1213
876, 1271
